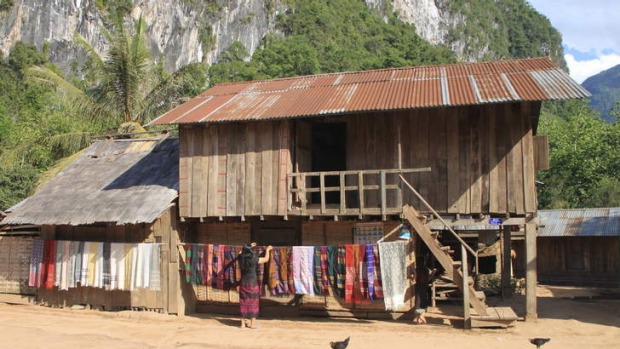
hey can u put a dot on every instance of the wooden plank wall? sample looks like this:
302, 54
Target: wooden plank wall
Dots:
481, 156
15, 264
234, 169
579, 260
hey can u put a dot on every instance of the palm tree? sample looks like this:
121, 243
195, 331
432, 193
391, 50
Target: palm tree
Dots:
122, 85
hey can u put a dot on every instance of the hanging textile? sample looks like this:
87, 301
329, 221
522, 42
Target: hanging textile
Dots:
221, 261
200, 261
367, 233
318, 273
291, 272
370, 271
36, 263
393, 273
341, 272
362, 274
106, 268
302, 269
117, 264
273, 275
58, 262
74, 247
155, 270
188, 263
208, 276
324, 267
377, 267
128, 258
349, 282
50, 264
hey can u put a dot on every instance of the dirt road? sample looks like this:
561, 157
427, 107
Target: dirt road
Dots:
570, 323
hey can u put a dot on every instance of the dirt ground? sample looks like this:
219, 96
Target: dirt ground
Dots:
572, 318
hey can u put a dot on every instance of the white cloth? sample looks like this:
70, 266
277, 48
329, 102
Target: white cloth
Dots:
155, 272
392, 256
116, 260
303, 269
134, 266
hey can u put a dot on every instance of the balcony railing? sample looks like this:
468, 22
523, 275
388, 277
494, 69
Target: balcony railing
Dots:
339, 193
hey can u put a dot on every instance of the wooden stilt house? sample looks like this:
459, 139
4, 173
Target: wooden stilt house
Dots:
116, 191
311, 160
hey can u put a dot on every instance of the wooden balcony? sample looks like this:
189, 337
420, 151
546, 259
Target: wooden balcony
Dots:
347, 193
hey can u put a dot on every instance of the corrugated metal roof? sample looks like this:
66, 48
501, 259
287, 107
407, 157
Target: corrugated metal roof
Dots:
533, 79
117, 181
580, 222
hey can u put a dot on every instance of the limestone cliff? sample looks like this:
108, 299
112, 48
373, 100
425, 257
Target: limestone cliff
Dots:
185, 31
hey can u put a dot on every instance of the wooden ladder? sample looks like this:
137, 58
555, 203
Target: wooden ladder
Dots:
452, 267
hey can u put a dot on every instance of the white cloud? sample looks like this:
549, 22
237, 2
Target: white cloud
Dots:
581, 70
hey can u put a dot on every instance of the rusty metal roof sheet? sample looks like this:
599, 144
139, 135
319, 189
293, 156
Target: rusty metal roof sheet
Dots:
532, 79
580, 222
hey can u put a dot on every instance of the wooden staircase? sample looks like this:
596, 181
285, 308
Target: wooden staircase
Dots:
484, 316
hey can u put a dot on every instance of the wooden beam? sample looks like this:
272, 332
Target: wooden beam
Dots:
530, 274
506, 262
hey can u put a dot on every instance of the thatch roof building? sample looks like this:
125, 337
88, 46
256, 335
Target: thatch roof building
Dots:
122, 181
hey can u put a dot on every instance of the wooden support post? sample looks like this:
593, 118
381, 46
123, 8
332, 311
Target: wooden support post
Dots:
343, 203
322, 189
383, 195
506, 262
465, 270
360, 191
530, 274
302, 191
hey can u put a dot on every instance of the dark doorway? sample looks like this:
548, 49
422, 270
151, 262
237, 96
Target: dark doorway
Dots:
329, 153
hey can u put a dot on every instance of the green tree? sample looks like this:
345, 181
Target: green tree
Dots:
585, 158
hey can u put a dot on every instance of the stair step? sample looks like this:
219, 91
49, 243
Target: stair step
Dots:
496, 317
481, 296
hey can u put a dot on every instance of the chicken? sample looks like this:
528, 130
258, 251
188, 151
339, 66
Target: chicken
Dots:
339, 345
539, 341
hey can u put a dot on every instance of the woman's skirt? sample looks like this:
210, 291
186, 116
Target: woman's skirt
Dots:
249, 296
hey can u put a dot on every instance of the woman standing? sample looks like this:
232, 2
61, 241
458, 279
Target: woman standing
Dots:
249, 290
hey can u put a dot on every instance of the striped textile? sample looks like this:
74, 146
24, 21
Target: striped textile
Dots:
324, 275
36, 263
341, 272
377, 267
370, 271
318, 273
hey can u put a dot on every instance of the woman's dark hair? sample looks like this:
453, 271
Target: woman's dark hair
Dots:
246, 258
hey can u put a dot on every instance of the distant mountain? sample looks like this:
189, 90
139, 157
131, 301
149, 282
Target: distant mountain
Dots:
605, 89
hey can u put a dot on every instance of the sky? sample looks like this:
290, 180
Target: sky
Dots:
590, 33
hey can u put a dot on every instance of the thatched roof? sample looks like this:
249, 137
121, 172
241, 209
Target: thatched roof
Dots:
120, 181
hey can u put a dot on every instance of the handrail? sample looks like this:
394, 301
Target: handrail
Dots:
473, 253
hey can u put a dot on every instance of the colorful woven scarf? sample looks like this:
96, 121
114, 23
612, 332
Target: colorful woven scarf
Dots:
341, 272
291, 279
220, 267
324, 276
349, 273
284, 268
49, 260
363, 272
200, 259
370, 271
377, 267
188, 263
208, 278
273, 279
318, 277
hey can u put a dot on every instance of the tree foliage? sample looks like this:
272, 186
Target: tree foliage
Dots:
585, 158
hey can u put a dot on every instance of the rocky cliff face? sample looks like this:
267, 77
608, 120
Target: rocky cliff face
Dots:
184, 31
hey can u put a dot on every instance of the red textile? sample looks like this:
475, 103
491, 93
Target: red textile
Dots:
49, 260
349, 279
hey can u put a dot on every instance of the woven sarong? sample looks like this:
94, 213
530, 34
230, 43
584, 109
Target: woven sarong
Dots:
283, 264
249, 297
220, 266
393, 273
188, 262
291, 272
128, 265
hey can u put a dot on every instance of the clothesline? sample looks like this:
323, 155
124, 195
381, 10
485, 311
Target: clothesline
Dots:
355, 272
111, 266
